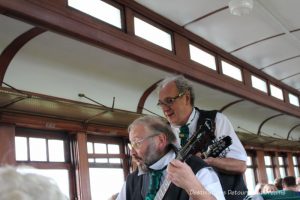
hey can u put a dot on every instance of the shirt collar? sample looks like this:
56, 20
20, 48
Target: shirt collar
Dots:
192, 116
190, 120
161, 163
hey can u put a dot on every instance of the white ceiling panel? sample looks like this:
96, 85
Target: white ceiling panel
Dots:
193, 10
286, 11
247, 116
232, 32
284, 69
269, 51
293, 81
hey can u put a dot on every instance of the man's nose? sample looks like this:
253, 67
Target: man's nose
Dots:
132, 152
165, 107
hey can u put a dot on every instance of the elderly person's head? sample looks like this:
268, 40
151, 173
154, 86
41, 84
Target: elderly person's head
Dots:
176, 99
150, 137
27, 186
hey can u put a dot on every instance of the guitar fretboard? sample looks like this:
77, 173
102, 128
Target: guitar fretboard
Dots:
162, 190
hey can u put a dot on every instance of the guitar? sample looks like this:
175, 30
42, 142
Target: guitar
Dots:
193, 145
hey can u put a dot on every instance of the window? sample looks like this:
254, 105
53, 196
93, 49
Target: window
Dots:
250, 175
106, 162
152, 34
232, 71
39, 149
276, 92
259, 84
282, 166
202, 57
100, 10
294, 100
296, 166
269, 168
46, 152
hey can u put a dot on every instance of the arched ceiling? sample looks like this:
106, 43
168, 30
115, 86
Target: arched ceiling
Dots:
54, 65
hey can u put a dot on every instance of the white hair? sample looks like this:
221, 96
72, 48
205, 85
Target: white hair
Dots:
27, 186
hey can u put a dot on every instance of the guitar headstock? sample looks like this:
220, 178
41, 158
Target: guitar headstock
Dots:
217, 148
198, 141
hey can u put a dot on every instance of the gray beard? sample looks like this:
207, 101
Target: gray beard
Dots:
152, 156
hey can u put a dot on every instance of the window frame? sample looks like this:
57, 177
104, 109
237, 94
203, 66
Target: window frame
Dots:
261, 79
205, 51
222, 60
253, 166
112, 3
298, 163
49, 134
158, 26
271, 166
123, 155
284, 165
276, 87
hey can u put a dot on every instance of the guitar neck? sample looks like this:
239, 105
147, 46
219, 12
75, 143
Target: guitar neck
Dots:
162, 190
166, 183
183, 153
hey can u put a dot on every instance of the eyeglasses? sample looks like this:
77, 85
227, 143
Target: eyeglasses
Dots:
137, 144
169, 101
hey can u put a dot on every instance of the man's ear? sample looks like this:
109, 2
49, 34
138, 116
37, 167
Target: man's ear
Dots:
162, 138
188, 96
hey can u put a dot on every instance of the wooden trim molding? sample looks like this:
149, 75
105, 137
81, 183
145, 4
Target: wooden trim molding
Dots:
12, 49
79, 148
144, 97
290, 165
261, 168
290, 131
45, 123
269, 118
230, 104
7, 144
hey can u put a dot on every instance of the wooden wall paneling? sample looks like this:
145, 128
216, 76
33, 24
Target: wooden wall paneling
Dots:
7, 144
276, 165
261, 168
47, 123
181, 47
129, 25
80, 161
290, 165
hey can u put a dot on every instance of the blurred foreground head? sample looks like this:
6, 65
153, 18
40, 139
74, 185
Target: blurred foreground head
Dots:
27, 186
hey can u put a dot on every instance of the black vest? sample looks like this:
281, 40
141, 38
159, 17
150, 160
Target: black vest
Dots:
233, 186
134, 183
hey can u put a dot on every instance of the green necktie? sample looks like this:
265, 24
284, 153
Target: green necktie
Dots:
155, 176
184, 134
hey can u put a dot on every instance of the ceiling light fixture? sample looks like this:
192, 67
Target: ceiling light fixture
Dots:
240, 7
